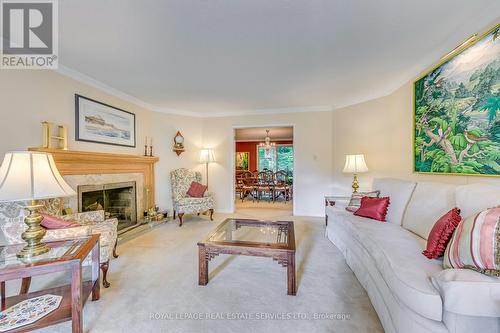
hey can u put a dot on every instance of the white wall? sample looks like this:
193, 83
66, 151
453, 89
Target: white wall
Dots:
382, 130
28, 97
313, 156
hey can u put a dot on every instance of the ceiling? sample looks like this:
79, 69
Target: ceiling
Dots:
231, 57
259, 133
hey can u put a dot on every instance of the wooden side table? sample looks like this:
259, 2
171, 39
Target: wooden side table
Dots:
66, 255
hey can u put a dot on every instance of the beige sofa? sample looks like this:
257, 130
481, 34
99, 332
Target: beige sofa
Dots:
410, 292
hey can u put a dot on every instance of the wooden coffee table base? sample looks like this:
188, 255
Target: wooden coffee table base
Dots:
286, 259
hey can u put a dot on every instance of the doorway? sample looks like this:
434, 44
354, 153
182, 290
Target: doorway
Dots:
264, 171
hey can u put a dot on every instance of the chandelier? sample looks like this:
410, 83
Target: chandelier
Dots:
267, 144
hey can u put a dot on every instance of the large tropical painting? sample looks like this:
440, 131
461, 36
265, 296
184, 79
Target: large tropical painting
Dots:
457, 118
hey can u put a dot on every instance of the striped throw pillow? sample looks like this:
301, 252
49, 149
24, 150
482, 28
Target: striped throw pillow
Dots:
355, 201
475, 243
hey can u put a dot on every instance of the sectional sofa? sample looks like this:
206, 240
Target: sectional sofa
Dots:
410, 292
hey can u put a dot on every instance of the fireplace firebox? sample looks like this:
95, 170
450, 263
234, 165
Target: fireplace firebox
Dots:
118, 200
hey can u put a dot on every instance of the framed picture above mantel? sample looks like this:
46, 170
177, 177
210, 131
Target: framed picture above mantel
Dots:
102, 123
456, 127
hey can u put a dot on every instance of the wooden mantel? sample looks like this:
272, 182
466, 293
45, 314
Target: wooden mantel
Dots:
72, 162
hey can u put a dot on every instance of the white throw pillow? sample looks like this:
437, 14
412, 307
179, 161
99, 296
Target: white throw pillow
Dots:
474, 198
399, 191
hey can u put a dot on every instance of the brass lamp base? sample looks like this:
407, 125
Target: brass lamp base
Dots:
355, 184
34, 234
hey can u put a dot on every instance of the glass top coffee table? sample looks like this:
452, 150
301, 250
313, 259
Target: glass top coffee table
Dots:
274, 239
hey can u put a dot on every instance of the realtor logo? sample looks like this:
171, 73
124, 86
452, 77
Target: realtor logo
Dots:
29, 34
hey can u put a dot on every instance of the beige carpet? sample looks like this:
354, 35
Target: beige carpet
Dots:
154, 286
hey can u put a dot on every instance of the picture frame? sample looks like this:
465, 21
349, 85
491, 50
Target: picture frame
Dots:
102, 123
242, 161
456, 118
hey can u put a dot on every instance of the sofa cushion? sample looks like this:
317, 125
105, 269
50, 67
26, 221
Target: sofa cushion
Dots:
396, 254
469, 293
474, 198
428, 203
399, 192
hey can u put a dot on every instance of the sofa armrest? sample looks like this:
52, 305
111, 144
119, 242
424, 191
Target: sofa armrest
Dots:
88, 217
112, 222
107, 230
208, 194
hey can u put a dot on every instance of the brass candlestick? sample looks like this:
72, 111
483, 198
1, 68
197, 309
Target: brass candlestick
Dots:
34, 234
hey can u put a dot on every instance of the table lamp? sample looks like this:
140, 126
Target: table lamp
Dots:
207, 155
30, 176
355, 164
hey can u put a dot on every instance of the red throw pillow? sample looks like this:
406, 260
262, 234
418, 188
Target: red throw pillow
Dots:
373, 208
54, 222
196, 190
441, 234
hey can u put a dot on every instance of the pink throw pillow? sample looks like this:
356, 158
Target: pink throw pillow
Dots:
373, 208
54, 222
475, 243
196, 190
441, 233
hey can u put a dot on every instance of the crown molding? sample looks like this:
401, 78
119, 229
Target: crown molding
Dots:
80, 77
85, 79
264, 112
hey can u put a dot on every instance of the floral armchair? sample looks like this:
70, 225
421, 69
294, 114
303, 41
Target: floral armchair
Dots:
12, 225
181, 180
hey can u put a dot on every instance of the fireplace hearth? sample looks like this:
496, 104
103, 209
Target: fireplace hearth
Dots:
118, 200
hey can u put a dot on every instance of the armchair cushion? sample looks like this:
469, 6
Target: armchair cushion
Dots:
194, 205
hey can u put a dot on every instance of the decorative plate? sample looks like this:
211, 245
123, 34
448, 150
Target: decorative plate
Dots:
28, 311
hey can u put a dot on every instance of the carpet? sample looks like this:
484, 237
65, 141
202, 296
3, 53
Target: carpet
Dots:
154, 286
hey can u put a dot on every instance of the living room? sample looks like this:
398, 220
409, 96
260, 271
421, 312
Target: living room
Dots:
184, 77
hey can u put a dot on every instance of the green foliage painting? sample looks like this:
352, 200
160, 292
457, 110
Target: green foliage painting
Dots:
457, 117
242, 161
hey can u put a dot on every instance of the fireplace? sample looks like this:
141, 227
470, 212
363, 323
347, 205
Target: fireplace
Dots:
118, 200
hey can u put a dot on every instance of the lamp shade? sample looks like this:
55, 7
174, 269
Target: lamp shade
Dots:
207, 155
26, 175
355, 164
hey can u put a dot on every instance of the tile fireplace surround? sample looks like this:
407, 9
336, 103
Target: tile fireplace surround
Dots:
89, 168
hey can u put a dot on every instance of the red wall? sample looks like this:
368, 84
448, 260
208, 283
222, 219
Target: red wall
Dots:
251, 147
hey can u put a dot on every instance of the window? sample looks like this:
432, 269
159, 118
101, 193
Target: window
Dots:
266, 159
277, 158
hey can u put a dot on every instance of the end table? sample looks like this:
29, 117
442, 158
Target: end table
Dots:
331, 200
65, 255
